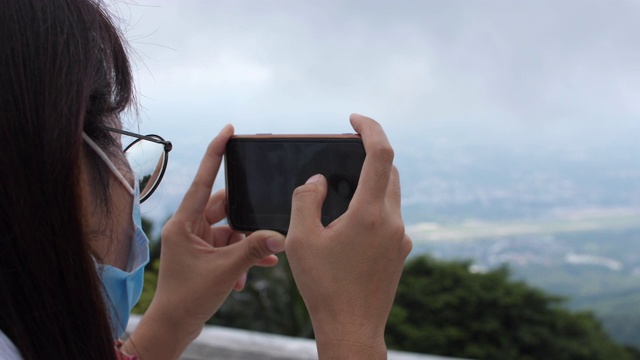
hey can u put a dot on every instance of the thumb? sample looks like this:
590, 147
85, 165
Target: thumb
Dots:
306, 205
256, 247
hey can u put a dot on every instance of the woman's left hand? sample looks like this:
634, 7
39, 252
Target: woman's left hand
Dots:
200, 264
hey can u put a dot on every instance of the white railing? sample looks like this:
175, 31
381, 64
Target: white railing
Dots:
216, 342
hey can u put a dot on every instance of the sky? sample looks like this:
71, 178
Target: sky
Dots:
502, 71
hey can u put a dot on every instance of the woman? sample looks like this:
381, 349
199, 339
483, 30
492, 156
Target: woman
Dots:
72, 251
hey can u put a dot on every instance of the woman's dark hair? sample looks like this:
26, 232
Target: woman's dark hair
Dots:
63, 70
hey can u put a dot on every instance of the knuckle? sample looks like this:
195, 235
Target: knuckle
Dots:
305, 190
397, 228
255, 251
377, 219
407, 245
384, 154
372, 218
394, 172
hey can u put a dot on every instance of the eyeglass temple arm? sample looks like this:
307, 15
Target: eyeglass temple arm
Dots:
167, 144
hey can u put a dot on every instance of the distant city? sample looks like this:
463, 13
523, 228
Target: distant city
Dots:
565, 220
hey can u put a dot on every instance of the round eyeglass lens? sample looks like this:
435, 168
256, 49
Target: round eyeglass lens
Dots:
146, 159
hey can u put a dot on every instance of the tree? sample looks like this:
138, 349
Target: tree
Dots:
269, 303
442, 308
150, 271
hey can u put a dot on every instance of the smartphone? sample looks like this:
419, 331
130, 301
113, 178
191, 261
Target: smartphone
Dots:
262, 171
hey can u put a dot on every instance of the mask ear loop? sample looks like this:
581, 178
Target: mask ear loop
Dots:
106, 159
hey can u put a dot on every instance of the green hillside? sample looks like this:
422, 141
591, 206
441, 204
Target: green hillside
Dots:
592, 258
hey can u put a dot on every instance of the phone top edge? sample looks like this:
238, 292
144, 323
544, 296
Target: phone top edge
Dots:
298, 136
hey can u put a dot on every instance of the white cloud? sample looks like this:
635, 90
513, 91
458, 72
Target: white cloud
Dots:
413, 61
560, 70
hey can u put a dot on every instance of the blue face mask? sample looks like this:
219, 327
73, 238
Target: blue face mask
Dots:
122, 289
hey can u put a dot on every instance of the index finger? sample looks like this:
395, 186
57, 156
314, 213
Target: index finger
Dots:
376, 169
197, 195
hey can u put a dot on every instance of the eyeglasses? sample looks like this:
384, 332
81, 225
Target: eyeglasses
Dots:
148, 156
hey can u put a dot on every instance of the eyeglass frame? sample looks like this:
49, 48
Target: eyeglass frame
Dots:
149, 137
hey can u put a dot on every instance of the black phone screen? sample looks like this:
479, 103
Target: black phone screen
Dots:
263, 172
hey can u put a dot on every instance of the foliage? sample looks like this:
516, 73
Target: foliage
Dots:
442, 308
269, 303
150, 271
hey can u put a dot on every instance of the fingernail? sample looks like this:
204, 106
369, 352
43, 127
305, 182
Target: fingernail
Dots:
275, 244
313, 179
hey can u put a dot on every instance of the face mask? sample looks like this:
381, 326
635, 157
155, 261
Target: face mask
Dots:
122, 289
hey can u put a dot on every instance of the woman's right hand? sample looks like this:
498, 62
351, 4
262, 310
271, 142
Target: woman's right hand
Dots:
200, 264
348, 272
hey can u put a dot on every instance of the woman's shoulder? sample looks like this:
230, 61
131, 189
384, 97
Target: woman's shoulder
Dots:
8, 351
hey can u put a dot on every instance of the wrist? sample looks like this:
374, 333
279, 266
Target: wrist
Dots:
351, 348
160, 335
349, 339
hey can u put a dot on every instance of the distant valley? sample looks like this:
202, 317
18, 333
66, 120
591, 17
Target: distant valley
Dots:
563, 217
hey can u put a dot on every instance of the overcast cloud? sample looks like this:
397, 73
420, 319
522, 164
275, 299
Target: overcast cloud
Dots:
504, 67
